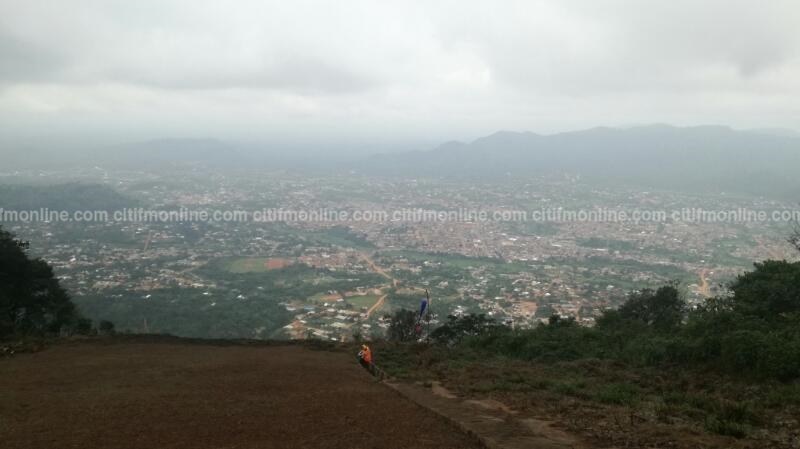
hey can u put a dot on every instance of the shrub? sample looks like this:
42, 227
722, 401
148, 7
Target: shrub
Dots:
458, 328
402, 326
770, 292
618, 393
106, 327
727, 428
84, 327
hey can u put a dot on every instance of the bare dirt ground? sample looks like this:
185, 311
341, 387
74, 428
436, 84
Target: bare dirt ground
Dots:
172, 394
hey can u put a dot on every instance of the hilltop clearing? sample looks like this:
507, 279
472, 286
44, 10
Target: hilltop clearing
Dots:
172, 394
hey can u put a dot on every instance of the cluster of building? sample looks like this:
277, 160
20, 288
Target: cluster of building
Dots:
573, 268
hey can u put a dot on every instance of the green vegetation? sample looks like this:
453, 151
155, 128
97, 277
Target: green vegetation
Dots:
397, 301
610, 244
362, 301
69, 197
297, 281
32, 302
457, 329
245, 304
725, 367
402, 326
752, 333
188, 313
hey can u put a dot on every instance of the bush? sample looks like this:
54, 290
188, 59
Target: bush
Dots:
562, 340
752, 333
770, 292
618, 393
84, 327
727, 428
402, 326
458, 328
743, 350
106, 327
662, 310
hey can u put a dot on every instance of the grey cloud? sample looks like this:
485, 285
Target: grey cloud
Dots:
599, 47
450, 69
22, 61
317, 76
27, 62
303, 76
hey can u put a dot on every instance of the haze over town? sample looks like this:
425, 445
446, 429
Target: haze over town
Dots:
551, 223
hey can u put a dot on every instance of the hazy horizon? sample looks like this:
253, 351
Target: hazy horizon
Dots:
347, 148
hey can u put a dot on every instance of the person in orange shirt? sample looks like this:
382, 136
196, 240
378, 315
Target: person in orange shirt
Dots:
365, 357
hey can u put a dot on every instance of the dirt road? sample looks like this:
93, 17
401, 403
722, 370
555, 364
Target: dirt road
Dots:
378, 304
178, 395
379, 270
704, 287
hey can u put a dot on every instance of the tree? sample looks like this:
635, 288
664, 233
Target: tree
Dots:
457, 328
402, 325
31, 299
556, 320
769, 292
662, 310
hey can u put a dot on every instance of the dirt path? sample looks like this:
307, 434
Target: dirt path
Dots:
704, 287
378, 269
378, 304
178, 395
148, 240
492, 422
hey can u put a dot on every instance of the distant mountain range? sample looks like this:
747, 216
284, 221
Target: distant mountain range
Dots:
654, 156
709, 158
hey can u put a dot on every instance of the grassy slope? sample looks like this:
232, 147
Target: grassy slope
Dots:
613, 404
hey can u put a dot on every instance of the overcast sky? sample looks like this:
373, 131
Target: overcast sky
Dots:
380, 70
